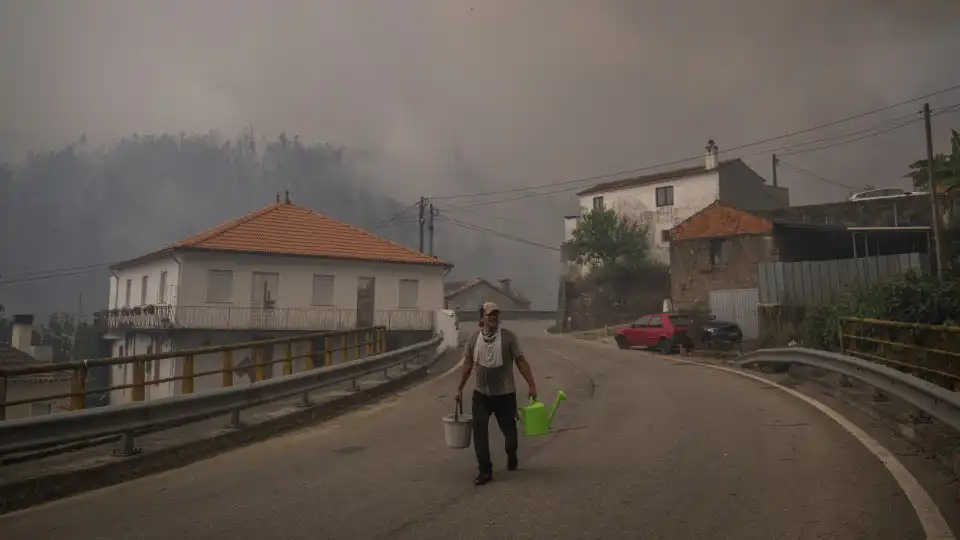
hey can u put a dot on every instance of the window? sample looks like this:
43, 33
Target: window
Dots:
682, 321
219, 286
665, 236
716, 252
126, 297
322, 290
409, 293
664, 196
642, 322
143, 290
266, 289
598, 203
655, 322
162, 289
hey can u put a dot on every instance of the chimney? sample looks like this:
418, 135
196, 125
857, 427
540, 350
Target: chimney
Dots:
22, 338
505, 286
711, 156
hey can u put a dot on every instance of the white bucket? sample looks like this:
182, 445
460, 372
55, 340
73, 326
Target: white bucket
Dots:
458, 429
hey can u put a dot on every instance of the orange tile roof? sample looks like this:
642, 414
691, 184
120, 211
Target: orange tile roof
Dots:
288, 229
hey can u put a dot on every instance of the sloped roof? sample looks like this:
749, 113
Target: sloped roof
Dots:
657, 177
453, 288
10, 357
288, 229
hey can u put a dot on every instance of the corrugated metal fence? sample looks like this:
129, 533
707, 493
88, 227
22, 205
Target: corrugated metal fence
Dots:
814, 282
739, 306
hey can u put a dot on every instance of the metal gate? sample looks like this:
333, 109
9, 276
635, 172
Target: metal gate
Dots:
739, 306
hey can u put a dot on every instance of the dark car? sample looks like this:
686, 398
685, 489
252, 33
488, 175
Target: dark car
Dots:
720, 334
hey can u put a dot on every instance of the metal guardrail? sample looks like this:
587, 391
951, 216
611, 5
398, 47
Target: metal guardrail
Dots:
934, 400
927, 351
350, 344
132, 419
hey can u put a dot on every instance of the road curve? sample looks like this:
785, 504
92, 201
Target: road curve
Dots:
647, 448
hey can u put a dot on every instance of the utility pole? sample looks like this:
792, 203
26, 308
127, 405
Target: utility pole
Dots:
432, 213
423, 204
774, 161
932, 186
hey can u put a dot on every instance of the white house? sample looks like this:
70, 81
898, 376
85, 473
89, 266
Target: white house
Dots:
664, 199
280, 270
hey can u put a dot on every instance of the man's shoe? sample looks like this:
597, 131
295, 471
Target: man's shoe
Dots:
483, 478
512, 463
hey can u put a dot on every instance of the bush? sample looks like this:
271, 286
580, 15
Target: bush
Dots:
907, 297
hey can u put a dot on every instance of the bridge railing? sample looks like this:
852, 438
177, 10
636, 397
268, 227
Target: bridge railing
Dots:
510, 315
135, 418
929, 352
306, 350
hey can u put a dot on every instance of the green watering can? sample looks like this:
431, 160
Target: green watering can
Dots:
534, 416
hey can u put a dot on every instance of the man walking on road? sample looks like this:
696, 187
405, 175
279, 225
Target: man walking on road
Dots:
493, 351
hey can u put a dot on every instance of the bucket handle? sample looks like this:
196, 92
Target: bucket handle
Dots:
457, 408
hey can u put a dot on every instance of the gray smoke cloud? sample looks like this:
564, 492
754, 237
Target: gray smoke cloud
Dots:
465, 96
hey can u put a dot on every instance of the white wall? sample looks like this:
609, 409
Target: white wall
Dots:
690, 195
296, 280
132, 344
135, 273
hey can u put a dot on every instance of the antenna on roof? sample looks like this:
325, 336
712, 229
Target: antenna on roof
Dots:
286, 195
278, 196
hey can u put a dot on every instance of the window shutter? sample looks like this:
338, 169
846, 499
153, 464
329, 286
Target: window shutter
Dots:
322, 290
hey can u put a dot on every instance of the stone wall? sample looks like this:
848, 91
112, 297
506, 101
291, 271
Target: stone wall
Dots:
699, 266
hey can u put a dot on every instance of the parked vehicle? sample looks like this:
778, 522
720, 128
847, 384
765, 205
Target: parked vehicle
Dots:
661, 331
885, 193
666, 332
720, 334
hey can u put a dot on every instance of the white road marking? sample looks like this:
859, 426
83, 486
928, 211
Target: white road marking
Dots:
932, 521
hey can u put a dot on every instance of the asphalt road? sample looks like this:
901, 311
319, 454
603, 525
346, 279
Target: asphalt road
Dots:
646, 448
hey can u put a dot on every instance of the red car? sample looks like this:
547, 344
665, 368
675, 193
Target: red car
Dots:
662, 331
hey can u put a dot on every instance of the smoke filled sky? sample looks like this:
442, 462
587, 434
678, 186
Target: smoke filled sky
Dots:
466, 96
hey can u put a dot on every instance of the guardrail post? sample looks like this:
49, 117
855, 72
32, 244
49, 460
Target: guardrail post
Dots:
227, 375
381, 339
139, 376
77, 388
879, 397
288, 360
260, 372
187, 386
233, 421
845, 382
327, 353
344, 353
840, 334
3, 398
304, 401
311, 351
127, 446
356, 345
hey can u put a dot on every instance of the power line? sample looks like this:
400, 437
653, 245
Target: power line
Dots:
679, 161
817, 176
52, 274
493, 232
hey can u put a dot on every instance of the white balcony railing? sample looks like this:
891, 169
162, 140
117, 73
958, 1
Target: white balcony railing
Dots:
257, 318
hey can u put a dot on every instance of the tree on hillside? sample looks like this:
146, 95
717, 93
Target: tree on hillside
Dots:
946, 167
605, 238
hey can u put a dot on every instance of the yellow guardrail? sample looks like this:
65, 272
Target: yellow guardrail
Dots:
926, 351
352, 344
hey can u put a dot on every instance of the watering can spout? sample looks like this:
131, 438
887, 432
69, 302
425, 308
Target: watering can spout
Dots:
560, 397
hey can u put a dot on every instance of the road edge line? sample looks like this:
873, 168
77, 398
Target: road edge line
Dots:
934, 525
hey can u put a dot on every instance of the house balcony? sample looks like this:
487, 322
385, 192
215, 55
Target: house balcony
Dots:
167, 317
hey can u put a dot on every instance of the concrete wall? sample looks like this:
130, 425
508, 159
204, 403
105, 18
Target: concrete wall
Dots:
296, 280
135, 274
692, 276
743, 188
690, 195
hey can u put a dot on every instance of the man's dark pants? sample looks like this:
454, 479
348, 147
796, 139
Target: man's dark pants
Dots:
504, 408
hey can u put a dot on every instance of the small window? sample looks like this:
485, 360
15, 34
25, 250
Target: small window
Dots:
664, 196
219, 286
409, 293
322, 290
655, 322
598, 203
143, 290
126, 297
716, 251
642, 322
162, 289
665, 236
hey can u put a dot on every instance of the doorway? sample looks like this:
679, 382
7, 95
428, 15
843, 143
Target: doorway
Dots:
264, 293
366, 298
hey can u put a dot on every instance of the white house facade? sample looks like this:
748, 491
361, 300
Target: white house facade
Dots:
661, 201
278, 271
